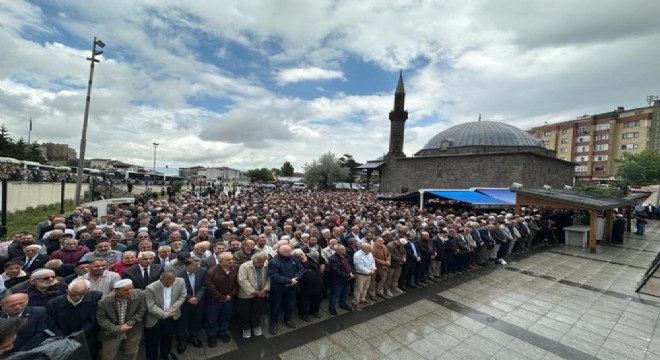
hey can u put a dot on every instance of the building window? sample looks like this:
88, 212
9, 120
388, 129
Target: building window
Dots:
602, 137
547, 133
581, 158
564, 131
599, 168
564, 141
630, 124
602, 127
602, 147
584, 129
438, 172
581, 168
581, 149
562, 150
583, 139
630, 135
562, 158
629, 146
546, 142
600, 158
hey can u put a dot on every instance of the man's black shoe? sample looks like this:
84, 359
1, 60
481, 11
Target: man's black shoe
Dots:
170, 356
224, 338
316, 315
273, 329
181, 348
290, 324
196, 342
332, 311
304, 318
212, 341
346, 307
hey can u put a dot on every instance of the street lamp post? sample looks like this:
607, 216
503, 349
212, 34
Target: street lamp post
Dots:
83, 139
62, 175
154, 169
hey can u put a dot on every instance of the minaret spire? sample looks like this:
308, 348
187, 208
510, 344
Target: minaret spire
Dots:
398, 117
400, 89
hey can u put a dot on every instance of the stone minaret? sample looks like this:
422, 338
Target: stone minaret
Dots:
398, 117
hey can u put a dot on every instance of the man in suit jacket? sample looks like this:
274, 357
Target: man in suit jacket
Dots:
192, 310
164, 299
145, 267
16, 305
213, 260
120, 318
76, 311
32, 260
341, 269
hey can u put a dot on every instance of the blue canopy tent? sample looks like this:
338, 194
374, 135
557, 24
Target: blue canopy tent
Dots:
470, 196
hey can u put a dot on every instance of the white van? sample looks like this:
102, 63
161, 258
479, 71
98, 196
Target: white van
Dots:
299, 186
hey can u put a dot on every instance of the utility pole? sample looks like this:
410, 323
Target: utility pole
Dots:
83, 139
155, 147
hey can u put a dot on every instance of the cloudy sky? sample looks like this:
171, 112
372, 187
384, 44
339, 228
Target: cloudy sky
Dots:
252, 83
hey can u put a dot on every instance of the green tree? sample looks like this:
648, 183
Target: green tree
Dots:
72, 163
640, 169
275, 172
350, 165
324, 171
6, 142
287, 169
262, 174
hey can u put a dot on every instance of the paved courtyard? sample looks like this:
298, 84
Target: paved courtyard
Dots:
556, 303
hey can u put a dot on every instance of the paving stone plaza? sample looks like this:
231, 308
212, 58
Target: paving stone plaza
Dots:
554, 303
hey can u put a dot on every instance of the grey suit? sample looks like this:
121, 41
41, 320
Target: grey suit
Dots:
159, 329
107, 316
192, 315
154, 300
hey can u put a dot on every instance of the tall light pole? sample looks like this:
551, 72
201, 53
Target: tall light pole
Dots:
83, 139
155, 147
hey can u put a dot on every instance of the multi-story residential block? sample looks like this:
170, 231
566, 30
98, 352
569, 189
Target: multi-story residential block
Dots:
597, 143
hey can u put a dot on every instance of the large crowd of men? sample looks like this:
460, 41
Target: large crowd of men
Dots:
162, 272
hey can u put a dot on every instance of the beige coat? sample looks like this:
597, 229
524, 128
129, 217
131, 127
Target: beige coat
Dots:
247, 279
155, 301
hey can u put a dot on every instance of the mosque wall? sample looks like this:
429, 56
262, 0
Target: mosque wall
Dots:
498, 170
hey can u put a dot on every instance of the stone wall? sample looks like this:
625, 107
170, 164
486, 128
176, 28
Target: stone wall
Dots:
466, 171
21, 195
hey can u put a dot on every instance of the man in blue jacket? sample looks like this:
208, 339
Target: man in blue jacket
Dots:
284, 271
16, 305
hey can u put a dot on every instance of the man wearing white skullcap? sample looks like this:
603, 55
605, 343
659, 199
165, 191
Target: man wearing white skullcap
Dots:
120, 316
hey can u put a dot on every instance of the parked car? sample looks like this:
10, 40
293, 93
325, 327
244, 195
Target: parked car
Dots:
299, 186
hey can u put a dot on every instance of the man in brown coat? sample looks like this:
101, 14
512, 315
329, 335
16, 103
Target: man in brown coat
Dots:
398, 258
383, 261
221, 288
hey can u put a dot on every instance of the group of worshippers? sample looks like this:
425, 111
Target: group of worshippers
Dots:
159, 271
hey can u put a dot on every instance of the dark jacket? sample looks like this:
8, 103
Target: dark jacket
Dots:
33, 334
219, 283
64, 318
340, 274
134, 273
38, 298
38, 262
281, 270
199, 285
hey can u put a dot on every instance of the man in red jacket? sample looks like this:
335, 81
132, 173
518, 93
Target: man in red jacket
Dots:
71, 252
127, 260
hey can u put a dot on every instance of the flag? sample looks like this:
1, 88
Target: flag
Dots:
30, 123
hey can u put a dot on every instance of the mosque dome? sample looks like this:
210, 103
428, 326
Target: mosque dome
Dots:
482, 133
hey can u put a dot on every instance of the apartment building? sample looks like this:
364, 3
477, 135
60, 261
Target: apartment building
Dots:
596, 143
